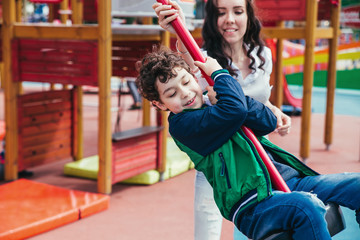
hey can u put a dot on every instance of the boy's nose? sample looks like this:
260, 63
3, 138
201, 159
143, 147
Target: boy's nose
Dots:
185, 93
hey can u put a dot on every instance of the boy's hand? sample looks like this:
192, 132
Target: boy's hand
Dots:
210, 65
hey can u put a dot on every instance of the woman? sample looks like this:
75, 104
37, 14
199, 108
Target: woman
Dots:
231, 34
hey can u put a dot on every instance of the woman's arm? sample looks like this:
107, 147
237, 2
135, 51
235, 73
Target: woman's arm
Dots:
283, 121
166, 14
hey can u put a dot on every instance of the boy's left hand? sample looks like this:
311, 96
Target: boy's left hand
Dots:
209, 66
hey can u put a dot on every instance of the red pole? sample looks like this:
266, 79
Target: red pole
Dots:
196, 54
189, 42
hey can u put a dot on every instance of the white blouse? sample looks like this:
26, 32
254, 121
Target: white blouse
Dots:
257, 83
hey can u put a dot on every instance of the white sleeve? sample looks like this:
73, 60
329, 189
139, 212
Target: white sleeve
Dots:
268, 60
201, 80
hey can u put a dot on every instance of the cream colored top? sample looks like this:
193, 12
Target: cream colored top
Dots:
257, 83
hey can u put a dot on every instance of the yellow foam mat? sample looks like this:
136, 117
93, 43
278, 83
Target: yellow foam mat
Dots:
177, 163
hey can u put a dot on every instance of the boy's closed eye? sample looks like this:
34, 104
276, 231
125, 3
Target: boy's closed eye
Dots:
172, 94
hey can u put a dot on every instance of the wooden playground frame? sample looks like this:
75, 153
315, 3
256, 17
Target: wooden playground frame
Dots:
102, 33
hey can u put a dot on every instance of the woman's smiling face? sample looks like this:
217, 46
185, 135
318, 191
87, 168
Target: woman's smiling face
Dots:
179, 93
232, 20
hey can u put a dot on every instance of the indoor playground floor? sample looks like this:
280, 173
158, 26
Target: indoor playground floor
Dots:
164, 210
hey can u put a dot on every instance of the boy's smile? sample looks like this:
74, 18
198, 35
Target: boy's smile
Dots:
179, 93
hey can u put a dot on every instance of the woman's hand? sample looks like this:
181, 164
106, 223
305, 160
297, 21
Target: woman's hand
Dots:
167, 13
211, 95
283, 121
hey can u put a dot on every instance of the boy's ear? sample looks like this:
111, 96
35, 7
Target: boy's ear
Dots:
160, 105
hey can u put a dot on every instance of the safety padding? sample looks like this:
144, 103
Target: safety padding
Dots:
28, 208
84, 168
177, 163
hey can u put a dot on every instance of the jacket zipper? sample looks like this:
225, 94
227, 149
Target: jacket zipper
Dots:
224, 170
262, 165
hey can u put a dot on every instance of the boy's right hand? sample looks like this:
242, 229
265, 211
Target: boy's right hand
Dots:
168, 13
210, 65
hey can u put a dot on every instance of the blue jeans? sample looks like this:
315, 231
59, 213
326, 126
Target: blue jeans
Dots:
303, 210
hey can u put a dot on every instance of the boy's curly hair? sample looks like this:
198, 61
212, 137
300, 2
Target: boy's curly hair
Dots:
158, 64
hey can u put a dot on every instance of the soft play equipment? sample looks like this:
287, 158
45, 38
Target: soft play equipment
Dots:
28, 208
177, 162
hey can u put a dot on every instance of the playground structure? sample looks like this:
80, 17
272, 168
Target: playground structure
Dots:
310, 11
47, 126
104, 35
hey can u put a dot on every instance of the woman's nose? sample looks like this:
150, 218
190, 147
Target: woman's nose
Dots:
230, 18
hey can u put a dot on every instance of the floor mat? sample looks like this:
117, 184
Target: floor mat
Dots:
177, 162
28, 208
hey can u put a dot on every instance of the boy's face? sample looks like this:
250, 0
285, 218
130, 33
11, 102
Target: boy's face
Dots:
179, 93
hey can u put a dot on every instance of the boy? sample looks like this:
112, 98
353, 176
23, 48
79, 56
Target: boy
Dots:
212, 138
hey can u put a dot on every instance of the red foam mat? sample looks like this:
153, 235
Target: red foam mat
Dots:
28, 208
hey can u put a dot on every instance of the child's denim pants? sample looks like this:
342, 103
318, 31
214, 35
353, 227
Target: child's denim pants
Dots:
303, 210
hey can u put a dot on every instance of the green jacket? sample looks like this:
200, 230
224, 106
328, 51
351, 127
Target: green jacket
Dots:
212, 138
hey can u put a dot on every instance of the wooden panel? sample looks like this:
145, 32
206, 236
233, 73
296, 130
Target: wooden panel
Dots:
57, 144
46, 108
44, 128
121, 152
45, 137
278, 10
46, 125
135, 154
55, 61
1, 54
41, 159
41, 31
90, 11
45, 118
135, 161
126, 53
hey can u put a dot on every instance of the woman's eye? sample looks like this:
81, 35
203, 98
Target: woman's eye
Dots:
239, 12
187, 82
172, 95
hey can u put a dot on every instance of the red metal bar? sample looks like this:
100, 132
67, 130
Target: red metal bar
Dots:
189, 42
196, 54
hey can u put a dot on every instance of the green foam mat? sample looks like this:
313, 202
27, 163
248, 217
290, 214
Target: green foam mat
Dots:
177, 162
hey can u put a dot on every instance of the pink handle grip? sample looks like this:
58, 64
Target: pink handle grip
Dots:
196, 54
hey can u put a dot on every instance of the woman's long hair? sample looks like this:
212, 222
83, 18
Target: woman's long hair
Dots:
215, 44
